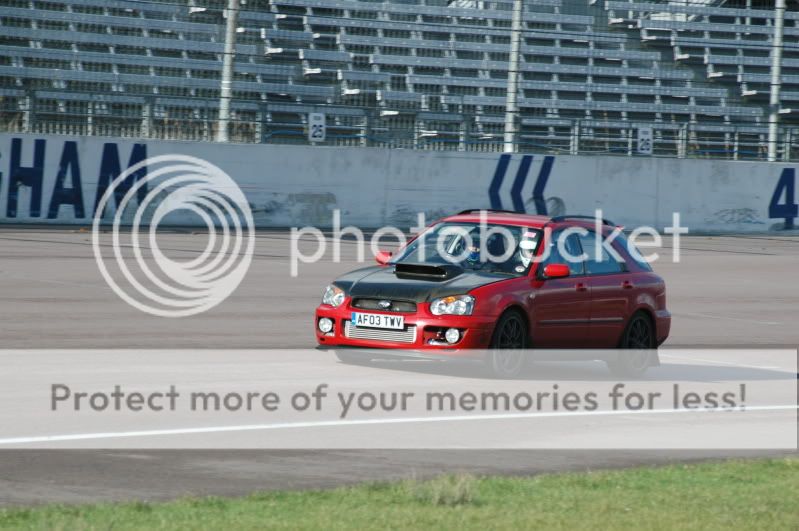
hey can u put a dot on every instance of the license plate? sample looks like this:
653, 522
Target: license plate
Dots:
378, 320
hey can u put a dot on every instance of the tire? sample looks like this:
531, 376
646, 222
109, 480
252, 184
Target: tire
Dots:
639, 338
350, 358
506, 357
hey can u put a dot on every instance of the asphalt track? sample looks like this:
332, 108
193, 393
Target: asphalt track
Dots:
726, 292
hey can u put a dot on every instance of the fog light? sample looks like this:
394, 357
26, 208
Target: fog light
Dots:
452, 335
325, 325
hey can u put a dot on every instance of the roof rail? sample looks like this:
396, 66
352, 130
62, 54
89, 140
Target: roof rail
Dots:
473, 210
605, 221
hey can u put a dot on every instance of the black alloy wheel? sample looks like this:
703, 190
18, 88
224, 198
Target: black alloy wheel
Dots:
506, 358
639, 338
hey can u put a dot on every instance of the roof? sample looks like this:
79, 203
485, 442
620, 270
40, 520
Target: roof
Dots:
501, 218
505, 217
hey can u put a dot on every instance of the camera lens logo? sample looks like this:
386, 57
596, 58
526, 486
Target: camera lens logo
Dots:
169, 190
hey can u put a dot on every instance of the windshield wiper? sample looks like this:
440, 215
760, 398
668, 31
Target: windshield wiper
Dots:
500, 271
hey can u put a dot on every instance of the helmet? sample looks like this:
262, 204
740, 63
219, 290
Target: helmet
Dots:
527, 246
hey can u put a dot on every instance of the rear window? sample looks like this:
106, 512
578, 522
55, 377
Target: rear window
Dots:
598, 263
633, 251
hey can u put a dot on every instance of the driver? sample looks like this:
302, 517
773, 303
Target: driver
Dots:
473, 255
527, 247
494, 249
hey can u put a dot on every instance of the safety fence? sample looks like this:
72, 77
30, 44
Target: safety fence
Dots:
427, 127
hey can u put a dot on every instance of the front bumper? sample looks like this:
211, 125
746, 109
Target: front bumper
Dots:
475, 331
369, 353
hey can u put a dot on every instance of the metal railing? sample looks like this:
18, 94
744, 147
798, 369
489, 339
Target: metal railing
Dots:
359, 124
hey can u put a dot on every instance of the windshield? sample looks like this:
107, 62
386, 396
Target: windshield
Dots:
490, 248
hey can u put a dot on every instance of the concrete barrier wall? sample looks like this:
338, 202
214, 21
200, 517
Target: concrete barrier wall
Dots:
57, 179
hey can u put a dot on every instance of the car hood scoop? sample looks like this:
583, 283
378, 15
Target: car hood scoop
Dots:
427, 272
413, 284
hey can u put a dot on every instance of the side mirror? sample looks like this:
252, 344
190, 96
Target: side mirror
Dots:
382, 257
556, 271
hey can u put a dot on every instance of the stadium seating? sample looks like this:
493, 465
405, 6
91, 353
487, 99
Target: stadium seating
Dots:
406, 73
730, 46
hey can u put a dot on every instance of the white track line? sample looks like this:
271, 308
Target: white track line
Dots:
726, 363
366, 422
739, 319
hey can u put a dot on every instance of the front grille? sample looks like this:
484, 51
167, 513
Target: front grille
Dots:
374, 304
377, 334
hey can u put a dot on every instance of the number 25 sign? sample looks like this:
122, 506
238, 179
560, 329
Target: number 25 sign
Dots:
316, 127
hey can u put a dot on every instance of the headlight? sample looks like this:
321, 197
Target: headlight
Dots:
333, 296
455, 305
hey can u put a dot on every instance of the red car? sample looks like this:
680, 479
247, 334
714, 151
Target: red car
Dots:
505, 282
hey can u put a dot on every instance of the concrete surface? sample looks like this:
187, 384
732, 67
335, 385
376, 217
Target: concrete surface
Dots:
726, 292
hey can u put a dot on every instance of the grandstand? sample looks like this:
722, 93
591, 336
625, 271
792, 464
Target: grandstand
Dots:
425, 74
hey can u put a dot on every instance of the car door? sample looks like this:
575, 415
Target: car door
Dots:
611, 289
561, 306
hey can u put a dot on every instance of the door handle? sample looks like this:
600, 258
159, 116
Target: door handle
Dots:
627, 284
580, 287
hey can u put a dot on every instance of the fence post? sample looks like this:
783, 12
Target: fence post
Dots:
786, 144
28, 114
260, 118
682, 141
208, 127
265, 120
147, 118
366, 127
630, 141
692, 139
464, 132
90, 118
574, 142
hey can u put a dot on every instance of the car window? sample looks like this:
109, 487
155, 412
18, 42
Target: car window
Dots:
572, 247
633, 251
600, 262
490, 248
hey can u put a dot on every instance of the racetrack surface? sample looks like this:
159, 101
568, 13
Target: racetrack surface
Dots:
726, 292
